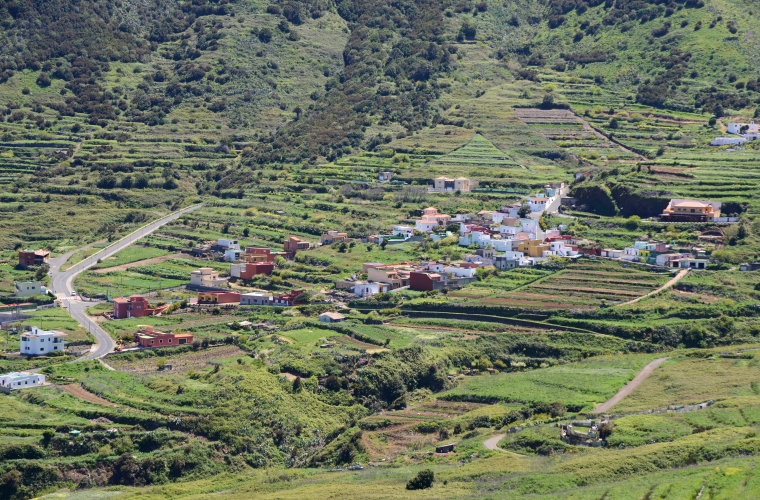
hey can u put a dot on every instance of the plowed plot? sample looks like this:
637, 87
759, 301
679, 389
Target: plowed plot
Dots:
195, 360
85, 395
581, 285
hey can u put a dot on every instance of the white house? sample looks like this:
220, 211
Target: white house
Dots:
228, 244
665, 258
460, 272
256, 299
728, 141
612, 253
561, 249
743, 128
40, 342
232, 254
538, 203
331, 317
28, 288
207, 277
20, 380
366, 289
431, 219
405, 231
512, 227
631, 253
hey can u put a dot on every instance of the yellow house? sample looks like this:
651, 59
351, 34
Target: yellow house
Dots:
532, 248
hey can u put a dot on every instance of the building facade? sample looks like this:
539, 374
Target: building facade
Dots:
29, 258
39, 342
28, 288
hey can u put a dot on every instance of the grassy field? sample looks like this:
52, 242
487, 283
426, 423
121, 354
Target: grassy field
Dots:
577, 385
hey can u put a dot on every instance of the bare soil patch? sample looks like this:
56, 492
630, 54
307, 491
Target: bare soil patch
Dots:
85, 395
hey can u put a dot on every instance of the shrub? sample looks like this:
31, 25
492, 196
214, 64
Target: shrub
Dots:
423, 480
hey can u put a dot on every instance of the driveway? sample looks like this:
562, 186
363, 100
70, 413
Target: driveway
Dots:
62, 281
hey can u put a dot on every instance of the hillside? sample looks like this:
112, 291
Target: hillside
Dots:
279, 117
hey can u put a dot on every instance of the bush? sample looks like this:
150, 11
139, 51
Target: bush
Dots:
423, 480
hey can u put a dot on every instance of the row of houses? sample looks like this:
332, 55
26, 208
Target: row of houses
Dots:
423, 277
659, 253
252, 298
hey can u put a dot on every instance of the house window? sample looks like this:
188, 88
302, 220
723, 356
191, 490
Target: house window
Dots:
170, 341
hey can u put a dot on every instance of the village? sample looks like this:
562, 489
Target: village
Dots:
514, 236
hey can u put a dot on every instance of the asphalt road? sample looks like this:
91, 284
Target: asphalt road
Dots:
62, 282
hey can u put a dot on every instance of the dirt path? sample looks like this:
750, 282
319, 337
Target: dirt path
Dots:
673, 281
78, 391
630, 386
492, 443
600, 135
154, 260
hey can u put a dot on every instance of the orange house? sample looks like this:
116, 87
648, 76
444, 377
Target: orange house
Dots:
148, 337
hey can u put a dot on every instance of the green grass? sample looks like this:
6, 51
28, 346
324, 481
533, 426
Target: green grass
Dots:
129, 255
577, 385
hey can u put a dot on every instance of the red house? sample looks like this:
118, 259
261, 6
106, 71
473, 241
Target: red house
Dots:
28, 258
423, 281
287, 299
293, 244
219, 298
148, 337
136, 306
248, 270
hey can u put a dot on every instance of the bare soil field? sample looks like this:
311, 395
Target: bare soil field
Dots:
83, 394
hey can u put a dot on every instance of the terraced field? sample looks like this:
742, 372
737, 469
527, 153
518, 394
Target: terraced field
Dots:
586, 285
581, 285
574, 135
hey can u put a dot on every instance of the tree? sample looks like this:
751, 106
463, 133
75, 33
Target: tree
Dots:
633, 222
524, 212
41, 272
606, 429
246, 232
548, 101
297, 110
468, 30
423, 480
297, 384
141, 182
384, 244
43, 80
265, 35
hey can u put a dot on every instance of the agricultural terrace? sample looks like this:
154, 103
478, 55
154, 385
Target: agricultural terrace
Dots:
582, 285
578, 385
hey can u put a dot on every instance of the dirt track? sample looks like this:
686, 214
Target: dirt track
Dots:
673, 281
630, 386
154, 260
78, 391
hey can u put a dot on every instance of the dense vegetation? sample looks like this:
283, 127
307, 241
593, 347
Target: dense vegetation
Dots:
279, 115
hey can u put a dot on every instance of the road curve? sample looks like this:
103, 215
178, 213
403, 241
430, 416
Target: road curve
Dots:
492, 443
62, 281
630, 386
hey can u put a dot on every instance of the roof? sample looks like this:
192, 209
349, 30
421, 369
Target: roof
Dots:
540, 198
694, 203
332, 315
120, 300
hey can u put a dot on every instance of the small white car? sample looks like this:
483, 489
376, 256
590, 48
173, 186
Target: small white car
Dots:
73, 293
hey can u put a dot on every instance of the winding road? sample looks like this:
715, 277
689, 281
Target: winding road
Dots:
62, 281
